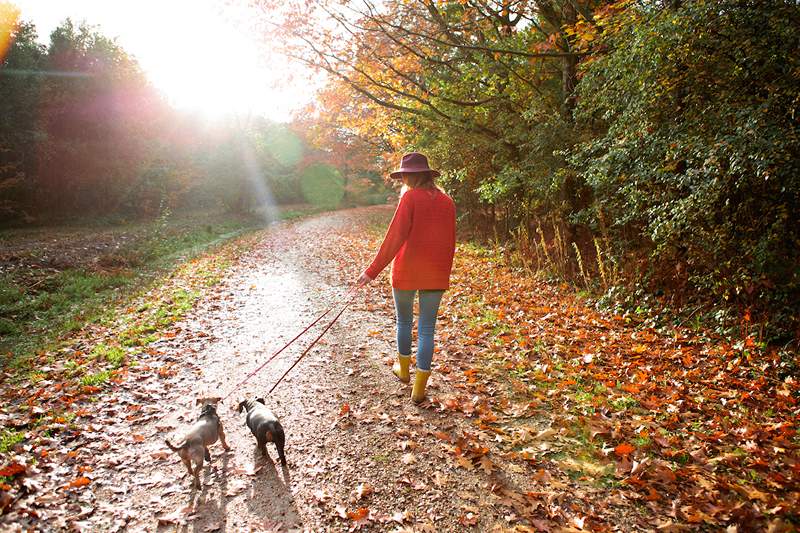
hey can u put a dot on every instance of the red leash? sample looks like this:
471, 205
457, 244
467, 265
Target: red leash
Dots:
311, 345
346, 299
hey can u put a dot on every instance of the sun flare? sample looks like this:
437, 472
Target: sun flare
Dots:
204, 56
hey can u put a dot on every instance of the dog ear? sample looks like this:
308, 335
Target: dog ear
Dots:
241, 406
261, 400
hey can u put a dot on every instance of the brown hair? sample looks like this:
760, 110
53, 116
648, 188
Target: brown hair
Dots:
419, 180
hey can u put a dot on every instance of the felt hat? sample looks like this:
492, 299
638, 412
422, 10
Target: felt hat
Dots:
413, 162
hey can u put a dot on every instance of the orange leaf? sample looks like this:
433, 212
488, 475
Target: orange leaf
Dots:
652, 495
624, 449
344, 410
79, 482
358, 514
441, 435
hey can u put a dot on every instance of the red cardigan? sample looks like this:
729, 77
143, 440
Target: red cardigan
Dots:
421, 239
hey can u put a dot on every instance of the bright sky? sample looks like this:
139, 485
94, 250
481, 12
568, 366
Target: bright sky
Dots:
205, 55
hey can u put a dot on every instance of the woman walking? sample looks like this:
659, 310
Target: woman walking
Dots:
421, 241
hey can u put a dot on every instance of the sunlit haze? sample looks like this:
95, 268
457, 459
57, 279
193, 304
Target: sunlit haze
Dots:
204, 56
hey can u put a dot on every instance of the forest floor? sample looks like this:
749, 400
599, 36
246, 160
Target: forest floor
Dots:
543, 413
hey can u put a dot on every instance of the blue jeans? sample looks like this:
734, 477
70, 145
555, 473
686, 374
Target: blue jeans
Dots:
428, 307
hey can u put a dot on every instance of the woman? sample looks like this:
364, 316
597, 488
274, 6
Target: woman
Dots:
421, 241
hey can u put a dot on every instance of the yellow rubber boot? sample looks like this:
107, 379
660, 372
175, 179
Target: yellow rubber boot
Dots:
420, 383
400, 368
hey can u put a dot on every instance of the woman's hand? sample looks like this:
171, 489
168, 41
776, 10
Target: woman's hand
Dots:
363, 279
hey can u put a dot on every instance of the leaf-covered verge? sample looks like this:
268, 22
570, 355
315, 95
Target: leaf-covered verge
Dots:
54, 282
613, 420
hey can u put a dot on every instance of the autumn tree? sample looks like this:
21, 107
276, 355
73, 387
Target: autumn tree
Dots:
467, 81
666, 130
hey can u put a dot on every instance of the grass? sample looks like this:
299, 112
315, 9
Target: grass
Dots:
38, 307
97, 379
10, 438
114, 355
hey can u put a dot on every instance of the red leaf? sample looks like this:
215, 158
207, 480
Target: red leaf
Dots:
12, 470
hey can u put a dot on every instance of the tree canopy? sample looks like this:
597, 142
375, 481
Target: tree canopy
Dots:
661, 137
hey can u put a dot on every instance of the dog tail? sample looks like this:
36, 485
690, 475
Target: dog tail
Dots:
174, 448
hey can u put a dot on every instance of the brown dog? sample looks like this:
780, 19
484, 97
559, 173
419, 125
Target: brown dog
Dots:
200, 436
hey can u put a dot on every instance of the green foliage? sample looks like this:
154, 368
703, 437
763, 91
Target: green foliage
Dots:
10, 438
699, 163
21, 90
322, 186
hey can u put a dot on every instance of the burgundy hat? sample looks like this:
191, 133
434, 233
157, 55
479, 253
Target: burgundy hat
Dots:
413, 162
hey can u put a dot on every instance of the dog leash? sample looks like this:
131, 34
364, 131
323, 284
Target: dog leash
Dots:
347, 298
347, 303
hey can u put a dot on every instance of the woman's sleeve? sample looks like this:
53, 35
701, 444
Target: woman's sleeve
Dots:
395, 237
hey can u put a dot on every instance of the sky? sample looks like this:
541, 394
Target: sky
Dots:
204, 55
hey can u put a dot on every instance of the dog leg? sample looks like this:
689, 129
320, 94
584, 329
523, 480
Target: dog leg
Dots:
280, 441
197, 470
222, 438
262, 445
207, 454
188, 464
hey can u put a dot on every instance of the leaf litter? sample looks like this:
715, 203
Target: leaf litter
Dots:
542, 414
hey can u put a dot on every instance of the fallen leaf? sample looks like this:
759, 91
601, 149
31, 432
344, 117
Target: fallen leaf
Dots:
78, 482
463, 462
624, 449
12, 470
363, 490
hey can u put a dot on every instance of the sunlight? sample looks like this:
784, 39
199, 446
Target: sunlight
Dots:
204, 56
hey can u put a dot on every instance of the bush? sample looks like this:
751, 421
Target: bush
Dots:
699, 164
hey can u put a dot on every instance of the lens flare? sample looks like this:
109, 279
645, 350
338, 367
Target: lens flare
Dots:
285, 146
9, 18
262, 198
